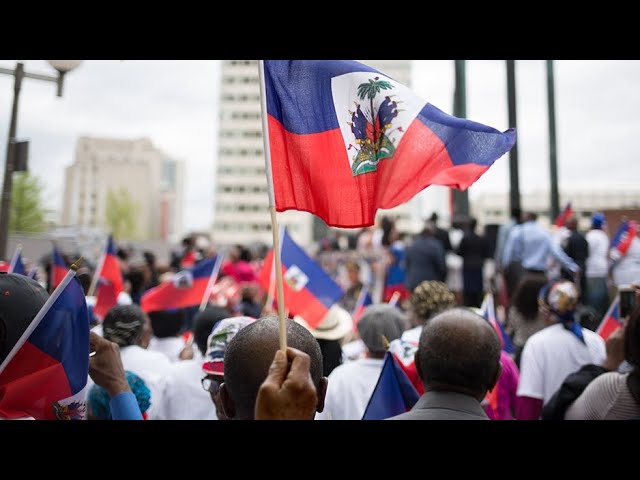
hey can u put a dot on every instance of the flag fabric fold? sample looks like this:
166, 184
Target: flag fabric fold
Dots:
394, 394
47, 377
346, 140
564, 215
489, 313
308, 290
611, 320
623, 238
58, 268
109, 281
185, 289
17, 265
364, 300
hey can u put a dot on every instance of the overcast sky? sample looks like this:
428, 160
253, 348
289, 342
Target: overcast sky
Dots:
174, 103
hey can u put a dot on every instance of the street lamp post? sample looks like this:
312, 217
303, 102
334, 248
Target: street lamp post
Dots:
62, 66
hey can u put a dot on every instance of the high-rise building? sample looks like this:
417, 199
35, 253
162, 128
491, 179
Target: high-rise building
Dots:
104, 167
241, 200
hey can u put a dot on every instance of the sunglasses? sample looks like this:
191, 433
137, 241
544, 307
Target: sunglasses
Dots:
210, 384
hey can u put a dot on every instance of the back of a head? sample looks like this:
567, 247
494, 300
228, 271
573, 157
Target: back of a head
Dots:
21, 298
632, 351
167, 323
377, 321
204, 322
458, 351
525, 298
598, 220
473, 223
250, 354
430, 298
123, 324
572, 223
530, 217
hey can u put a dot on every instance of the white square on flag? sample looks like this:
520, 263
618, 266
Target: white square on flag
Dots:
296, 278
347, 96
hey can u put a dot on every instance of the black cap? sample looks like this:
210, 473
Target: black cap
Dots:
21, 298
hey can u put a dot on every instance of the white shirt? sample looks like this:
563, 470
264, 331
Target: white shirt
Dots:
153, 368
169, 346
412, 335
627, 271
597, 264
350, 388
553, 353
183, 397
353, 350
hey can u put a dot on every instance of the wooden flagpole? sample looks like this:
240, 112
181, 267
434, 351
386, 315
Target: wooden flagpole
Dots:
212, 280
272, 209
96, 274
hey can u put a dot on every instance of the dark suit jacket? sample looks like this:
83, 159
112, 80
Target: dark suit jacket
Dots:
425, 260
444, 406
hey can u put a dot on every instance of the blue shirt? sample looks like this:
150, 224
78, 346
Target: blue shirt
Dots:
124, 406
532, 245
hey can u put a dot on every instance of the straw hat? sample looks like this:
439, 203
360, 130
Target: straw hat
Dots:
336, 324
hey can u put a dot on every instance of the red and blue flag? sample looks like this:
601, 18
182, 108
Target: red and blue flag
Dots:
624, 236
364, 300
186, 289
489, 313
58, 268
109, 281
394, 394
308, 290
611, 321
17, 265
564, 215
47, 376
346, 140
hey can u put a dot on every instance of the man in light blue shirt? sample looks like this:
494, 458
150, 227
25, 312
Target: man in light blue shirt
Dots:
532, 245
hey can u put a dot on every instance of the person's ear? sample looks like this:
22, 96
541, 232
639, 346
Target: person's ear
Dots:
416, 362
494, 381
322, 391
228, 407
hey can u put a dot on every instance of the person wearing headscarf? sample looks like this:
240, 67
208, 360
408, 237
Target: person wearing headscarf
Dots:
98, 401
556, 351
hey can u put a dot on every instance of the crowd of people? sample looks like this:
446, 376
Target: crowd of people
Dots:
553, 287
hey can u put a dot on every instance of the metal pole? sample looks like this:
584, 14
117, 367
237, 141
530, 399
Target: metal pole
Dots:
5, 203
460, 198
514, 194
553, 161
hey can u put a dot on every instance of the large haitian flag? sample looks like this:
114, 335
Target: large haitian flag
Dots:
308, 290
347, 140
185, 289
46, 378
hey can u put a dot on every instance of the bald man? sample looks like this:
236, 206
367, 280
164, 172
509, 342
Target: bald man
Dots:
249, 356
458, 361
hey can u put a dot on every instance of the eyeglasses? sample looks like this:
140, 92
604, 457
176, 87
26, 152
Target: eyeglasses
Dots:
210, 384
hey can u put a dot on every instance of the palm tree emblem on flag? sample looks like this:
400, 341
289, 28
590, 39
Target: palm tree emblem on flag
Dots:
370, 127
183, 279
